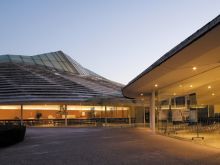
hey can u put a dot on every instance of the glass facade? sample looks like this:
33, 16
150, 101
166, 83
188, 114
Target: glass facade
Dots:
4, 59
185, 117
56, 114
56, 60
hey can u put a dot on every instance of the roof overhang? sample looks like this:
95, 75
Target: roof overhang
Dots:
175, 69
107, 101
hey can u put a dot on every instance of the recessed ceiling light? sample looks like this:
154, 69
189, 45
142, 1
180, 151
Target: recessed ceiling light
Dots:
156, 85
194, 68
213, 94
209, 87
190, 86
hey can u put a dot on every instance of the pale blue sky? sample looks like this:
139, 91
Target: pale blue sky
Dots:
117, 39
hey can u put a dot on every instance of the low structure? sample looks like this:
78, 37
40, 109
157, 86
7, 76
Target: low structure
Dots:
11, 133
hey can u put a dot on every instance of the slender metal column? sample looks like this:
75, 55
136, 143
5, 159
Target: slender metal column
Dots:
21, 118
169, 116
129, 115
152, 112
144, 116
65, 110
106, 115
186, 105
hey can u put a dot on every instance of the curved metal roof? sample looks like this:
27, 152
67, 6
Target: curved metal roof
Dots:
57, 60
51, 77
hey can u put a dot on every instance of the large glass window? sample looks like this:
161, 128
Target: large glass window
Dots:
37, 60
46, 61
10, 112
4, 58
64, 66
16, 59
41, 111
51, 57
54, 61
28, 60
61, 57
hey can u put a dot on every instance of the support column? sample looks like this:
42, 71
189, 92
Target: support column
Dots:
144, 115
65, 110
152, 111
21, 118
186, 106
106, 116
174, 98
129, 115
169, 116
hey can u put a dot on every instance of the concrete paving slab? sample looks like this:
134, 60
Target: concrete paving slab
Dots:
104, 146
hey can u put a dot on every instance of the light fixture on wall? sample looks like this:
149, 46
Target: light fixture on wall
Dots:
209, 87
194, 68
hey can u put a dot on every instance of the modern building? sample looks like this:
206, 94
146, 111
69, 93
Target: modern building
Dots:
182, 88
53, 88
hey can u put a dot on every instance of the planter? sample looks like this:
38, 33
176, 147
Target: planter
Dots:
11, 134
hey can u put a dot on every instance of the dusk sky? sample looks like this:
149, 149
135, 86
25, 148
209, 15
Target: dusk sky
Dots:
117, 39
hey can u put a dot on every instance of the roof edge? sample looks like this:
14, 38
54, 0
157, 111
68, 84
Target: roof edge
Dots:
189, 40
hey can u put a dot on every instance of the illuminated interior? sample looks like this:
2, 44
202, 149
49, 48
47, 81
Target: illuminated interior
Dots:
183, 86
10, 112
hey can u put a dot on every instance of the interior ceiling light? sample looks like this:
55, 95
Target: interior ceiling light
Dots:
209, 87
174, 94
213, 94
190, 86
141, 94
180, 86
156, 85
194, 68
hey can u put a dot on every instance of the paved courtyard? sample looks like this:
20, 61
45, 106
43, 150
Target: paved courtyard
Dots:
103, 146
